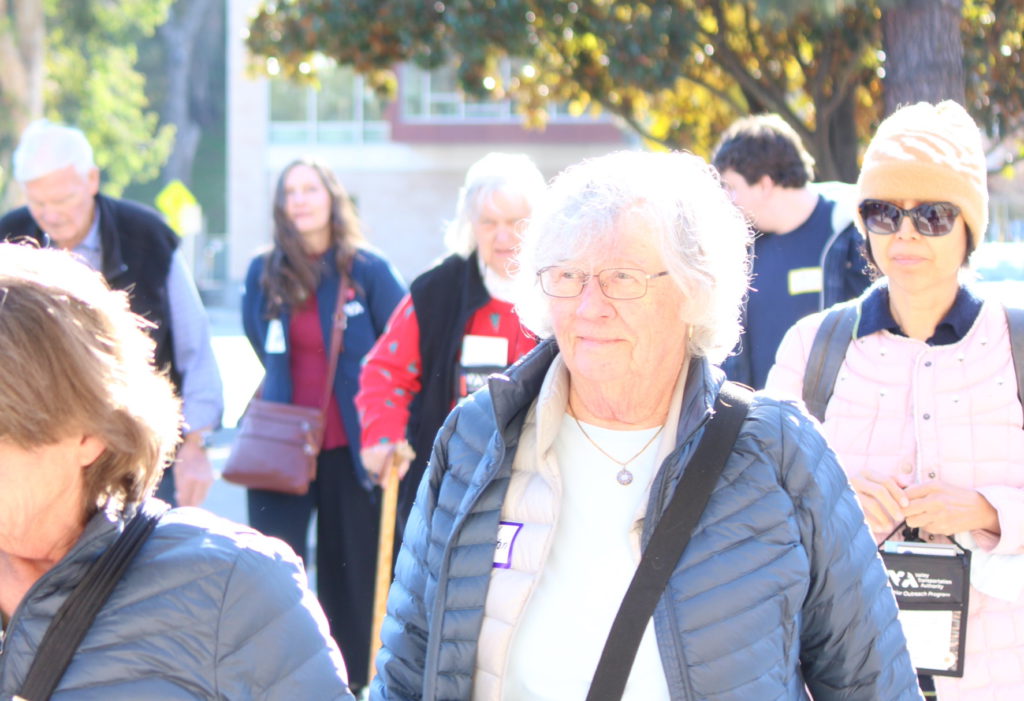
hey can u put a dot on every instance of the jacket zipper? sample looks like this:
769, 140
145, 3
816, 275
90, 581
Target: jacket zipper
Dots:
430, 671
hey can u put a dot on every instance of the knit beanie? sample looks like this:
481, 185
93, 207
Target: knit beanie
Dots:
930, 153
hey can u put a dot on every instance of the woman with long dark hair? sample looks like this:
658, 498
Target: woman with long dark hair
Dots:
288, 311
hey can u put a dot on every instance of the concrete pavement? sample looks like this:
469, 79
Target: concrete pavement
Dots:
241, 372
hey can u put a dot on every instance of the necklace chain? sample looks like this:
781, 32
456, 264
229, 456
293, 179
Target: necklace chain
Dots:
624, 476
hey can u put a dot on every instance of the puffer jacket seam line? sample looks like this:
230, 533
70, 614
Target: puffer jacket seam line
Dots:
216, 634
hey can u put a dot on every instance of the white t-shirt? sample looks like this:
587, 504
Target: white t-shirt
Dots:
562, 631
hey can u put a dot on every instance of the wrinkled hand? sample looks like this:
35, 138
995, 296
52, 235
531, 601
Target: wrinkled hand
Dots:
882, 500
193, 474
376, 459
939, 507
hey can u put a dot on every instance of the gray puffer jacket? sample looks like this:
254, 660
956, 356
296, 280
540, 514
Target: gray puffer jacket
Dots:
208, 609
779, 588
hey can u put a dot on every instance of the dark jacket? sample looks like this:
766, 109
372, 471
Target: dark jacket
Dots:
444, 299
780, 587
844, 271
137, 249
377, 290
207, 610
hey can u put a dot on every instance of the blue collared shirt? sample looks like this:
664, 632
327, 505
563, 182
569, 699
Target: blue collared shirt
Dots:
875, 315
202, 394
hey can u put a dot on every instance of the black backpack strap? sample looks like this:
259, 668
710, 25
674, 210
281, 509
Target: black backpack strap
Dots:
1015, 324
826, 357
76, 614
668, 542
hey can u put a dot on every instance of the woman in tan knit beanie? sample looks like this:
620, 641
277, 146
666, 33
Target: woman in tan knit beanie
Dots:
923, 409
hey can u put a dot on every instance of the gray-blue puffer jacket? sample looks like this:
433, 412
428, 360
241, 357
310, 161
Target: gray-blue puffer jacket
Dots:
208, 609
780, 586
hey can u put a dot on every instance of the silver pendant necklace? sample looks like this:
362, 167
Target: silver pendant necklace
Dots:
624, 476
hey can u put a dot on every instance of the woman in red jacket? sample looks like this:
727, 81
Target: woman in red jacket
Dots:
454, 327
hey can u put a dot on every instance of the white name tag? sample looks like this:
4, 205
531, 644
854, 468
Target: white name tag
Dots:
353, 308
275, 337
484, 351
805, 280
508, 531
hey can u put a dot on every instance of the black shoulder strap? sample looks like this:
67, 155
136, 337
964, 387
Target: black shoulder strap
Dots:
76, 614
1015, 324
668, 542
826, 357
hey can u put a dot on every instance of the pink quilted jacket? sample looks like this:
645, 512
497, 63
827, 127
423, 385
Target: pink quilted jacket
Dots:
951, 413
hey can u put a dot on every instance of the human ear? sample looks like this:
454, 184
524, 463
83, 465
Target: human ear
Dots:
92, 178
89, 449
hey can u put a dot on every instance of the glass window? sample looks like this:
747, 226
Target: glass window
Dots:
287, 101
336, 99
435, 95
342, 110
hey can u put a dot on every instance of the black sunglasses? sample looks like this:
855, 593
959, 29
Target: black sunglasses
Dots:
930, 218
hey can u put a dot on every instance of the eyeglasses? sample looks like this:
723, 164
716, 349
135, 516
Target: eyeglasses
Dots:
616, 283
930, 218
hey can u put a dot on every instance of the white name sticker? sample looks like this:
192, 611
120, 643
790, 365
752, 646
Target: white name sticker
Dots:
805, 280
484, 351
354, 308
275, 337
508, 531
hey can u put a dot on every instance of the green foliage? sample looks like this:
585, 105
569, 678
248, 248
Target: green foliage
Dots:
92, 83
676, 71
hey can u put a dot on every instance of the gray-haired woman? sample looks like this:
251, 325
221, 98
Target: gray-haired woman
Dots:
635, 264
455, 326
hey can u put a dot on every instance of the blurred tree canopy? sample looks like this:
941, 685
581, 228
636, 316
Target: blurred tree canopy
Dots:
74, 61
676, 71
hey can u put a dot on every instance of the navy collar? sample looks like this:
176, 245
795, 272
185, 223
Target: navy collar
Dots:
875, 315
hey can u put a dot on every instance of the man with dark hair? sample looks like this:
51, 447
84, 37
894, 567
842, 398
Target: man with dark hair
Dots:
807, 252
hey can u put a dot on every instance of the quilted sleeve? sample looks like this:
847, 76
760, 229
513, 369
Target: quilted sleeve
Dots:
852, 646
272, 636
1009, 504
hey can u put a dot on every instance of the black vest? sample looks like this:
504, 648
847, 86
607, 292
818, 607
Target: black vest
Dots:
137, 248
444, 298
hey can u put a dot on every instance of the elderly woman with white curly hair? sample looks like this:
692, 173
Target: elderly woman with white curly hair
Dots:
546, 489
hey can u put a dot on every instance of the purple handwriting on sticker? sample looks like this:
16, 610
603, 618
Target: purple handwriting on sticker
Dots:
508, 531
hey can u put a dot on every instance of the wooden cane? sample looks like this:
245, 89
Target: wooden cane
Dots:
386, 544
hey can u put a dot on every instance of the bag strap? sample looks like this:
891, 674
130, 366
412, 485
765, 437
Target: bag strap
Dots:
668, 542
76, 614
1015, 324
833, 338
826, 357
337, 346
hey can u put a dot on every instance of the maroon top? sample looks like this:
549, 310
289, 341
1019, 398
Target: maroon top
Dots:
309, 370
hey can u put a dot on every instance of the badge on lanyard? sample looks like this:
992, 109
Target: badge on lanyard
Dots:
275, 337
931, 583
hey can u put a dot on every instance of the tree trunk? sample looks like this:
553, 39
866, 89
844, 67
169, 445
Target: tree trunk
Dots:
22, 53
179, 36
842, 141
924, 53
